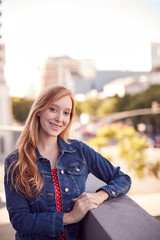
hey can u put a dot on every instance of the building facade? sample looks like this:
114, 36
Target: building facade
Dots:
6, 138
69, 72
155, 57
128, 85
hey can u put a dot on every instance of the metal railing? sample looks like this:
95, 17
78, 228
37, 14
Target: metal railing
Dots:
132, 113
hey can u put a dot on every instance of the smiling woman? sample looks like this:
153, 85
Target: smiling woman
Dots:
53, 122
55, 119
45, 177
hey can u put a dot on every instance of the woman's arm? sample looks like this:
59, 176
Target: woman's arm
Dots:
117, 182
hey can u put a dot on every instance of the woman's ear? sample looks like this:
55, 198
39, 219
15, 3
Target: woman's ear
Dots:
38, 114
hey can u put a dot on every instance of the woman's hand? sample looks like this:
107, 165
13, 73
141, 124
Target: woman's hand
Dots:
84, 203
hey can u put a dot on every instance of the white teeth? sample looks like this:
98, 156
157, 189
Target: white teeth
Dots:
55, 126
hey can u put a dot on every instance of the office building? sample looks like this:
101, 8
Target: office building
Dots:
155, 56
69, 72
6, 138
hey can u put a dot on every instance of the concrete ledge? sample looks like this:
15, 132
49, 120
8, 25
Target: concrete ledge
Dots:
119, 219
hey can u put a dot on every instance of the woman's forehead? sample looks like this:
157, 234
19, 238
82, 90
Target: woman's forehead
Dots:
65, 102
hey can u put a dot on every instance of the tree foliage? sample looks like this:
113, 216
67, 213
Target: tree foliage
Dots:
101, 107
138, 101
21, 108
96, 107
131, 148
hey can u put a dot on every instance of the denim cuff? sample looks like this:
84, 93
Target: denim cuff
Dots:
58, 223
112, 193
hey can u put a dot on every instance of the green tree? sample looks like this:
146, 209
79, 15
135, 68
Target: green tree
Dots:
122, 103
96, 107
21, 108
138, 101
107, 106
131, 148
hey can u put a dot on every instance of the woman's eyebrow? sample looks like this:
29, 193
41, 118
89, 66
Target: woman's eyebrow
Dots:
68, 109
55, 105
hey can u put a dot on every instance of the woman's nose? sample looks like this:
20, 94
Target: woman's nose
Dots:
58, 117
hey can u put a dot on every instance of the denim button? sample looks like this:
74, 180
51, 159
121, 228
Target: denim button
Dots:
62, 171
77, 169
113, 192
68, 209
66, 189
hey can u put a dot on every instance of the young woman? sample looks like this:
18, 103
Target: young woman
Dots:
45, 176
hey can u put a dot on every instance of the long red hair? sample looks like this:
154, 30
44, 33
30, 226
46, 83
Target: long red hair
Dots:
27, 177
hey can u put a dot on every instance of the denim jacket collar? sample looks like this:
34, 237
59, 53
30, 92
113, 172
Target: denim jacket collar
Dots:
63, 147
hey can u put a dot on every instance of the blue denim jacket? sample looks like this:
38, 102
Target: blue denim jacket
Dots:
37, 218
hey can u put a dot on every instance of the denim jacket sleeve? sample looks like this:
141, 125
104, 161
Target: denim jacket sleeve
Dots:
25, 222
117, 182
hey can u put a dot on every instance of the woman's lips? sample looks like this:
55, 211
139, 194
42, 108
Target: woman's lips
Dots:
55, 126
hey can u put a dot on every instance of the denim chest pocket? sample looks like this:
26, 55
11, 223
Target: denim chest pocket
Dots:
76, 173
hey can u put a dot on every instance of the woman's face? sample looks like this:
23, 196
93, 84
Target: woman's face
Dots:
55, 119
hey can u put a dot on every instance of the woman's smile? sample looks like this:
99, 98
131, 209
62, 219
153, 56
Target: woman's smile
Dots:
55, 126
56, 118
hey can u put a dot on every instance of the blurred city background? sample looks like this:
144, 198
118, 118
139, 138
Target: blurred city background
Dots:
108, 54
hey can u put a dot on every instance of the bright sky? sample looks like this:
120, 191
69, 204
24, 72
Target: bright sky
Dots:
117, 34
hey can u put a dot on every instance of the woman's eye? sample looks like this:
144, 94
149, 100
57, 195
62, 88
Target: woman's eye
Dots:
52, 109
67, 113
